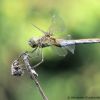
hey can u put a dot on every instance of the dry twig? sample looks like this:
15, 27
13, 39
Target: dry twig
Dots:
33, 74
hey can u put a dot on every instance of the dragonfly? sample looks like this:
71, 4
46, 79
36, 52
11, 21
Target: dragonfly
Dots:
61, 45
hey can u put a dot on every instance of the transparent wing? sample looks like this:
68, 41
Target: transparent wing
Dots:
52, 29
36, 55
72, 47
63, 51
57, 27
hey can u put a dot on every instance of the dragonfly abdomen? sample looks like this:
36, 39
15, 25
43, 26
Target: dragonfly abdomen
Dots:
87, 41
62, 42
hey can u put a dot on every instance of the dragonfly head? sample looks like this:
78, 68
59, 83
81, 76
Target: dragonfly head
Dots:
32, 42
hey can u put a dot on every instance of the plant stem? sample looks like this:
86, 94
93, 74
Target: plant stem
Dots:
33, 74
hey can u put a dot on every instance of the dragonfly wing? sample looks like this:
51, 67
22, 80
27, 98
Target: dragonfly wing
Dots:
52, 28
61, 51
36, 55
37, 61
57, 27
71, 48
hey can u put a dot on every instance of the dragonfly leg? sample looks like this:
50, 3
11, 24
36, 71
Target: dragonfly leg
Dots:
42, 59
33, 50
26, 52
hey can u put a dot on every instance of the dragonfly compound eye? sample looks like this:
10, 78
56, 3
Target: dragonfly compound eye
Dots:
32, 42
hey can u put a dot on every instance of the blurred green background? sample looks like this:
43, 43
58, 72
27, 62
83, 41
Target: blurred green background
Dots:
74, 75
